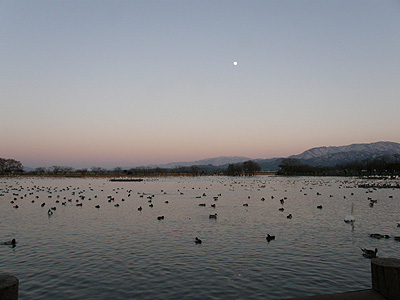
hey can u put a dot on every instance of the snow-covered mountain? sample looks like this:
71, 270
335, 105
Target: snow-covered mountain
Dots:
320, 156
330, 156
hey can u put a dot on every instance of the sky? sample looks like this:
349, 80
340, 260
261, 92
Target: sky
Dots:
131, 83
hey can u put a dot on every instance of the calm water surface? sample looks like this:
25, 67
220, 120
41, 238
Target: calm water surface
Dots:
118, 252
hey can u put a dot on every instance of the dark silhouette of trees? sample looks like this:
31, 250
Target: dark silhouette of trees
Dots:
10, 166
194, 170
55, 169
96, 170
234, 170
82, 171
117, 170
248, 168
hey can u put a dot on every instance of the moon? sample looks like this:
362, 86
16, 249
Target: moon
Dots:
235, 63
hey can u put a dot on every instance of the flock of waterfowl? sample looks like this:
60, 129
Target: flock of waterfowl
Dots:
78, 197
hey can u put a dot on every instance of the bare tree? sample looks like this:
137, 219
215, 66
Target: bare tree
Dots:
117, 170
96, 170
83, 171
66, 170
40, 170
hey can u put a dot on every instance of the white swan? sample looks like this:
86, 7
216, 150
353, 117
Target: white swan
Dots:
350, 218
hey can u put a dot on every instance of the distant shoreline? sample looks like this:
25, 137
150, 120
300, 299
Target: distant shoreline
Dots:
124, 176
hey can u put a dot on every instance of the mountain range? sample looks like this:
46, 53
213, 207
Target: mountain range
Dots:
320, 156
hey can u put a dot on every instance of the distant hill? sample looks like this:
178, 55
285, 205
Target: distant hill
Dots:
217, 161
331, 156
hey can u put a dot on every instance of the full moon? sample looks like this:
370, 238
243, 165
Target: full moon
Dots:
235, 63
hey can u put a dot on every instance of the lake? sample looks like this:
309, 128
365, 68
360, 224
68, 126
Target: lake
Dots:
119, 252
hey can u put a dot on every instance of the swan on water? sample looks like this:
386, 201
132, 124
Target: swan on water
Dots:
350, 218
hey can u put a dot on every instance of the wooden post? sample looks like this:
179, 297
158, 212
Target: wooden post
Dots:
8, 287
385, 273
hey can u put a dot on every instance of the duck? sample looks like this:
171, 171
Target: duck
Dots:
97, 206
139, 208
49, 212
12, 242
369, 253
214, 216
270, 237
319, 206
197, 240
160, 218
379, 236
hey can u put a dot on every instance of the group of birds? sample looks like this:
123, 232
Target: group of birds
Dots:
80, 195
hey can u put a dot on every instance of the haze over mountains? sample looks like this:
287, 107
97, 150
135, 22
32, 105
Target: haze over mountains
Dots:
320, 156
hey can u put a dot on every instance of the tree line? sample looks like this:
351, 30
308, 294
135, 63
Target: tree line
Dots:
382, 165
248, 168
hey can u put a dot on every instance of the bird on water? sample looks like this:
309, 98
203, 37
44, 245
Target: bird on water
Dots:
13, 242
350, 218
369, 253
270, 237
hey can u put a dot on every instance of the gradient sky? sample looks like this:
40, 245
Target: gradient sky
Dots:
130, 83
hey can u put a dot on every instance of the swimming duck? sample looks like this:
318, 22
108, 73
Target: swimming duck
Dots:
197, 240
214, 216
270, 237
160, 218
12, 242
289, 216
379, 236
139, 208
369, 253
49, 212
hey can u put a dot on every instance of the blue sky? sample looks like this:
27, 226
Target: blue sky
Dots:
127, 83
